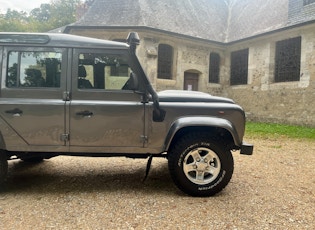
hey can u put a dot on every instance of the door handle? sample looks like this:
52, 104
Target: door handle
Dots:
85, 113
15, 112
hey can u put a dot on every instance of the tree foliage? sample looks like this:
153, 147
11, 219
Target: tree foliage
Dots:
47, 17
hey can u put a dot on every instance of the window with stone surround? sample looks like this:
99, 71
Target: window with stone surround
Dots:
288, 60
214, 68
165, 61
239, 67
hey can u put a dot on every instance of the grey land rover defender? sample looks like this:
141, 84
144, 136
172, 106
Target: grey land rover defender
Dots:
70, 95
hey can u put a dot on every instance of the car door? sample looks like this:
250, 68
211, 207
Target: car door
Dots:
104, 115
31, 101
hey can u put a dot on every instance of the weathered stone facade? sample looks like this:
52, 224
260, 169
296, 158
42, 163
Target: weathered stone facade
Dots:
284, 102
262, 98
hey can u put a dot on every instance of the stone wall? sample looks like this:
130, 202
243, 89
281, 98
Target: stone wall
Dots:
262, 99
285, 102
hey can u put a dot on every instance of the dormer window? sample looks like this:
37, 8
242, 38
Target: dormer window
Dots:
307, 2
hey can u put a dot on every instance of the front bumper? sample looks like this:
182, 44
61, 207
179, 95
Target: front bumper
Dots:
247, 149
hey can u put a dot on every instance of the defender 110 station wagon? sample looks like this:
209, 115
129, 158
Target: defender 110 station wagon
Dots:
63, 94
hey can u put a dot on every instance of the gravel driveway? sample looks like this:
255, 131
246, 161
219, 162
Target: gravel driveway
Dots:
273, 189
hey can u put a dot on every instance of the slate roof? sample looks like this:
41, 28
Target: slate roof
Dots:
215, 20
253, 17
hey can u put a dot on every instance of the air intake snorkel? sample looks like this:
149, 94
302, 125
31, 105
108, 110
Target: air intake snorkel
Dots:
133, 40
158, 114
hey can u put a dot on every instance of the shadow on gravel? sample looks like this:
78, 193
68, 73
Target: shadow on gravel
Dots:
48, 177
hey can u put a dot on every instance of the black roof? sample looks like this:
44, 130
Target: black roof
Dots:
215, 20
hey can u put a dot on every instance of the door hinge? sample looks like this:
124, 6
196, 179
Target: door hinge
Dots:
64, 137
66, 96
144, 139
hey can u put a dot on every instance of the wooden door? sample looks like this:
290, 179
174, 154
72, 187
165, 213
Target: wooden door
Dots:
191, 81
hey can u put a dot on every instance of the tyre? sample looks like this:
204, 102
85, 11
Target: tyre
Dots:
3, 167
200, 166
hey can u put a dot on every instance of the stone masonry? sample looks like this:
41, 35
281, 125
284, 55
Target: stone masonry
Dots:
221, 27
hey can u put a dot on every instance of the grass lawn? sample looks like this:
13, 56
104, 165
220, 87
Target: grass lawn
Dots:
266, 130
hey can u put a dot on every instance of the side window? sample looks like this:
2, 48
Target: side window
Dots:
33, 69
103, 71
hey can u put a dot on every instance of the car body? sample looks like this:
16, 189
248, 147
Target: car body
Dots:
70, 95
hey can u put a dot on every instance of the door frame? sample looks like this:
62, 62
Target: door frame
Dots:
191, 81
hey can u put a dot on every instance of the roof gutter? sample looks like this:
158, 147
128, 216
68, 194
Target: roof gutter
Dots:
133, 28
271, 32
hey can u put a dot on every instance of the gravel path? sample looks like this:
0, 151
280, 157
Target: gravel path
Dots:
273, 189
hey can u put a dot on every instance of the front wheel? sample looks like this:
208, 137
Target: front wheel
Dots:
3, 167
199, 166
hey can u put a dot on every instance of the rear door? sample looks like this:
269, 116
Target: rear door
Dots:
31, 101
104, 115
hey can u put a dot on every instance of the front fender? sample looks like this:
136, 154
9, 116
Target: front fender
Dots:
200, 121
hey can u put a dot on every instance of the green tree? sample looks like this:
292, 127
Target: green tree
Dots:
43, 13
47, 17
13, 21
63, 12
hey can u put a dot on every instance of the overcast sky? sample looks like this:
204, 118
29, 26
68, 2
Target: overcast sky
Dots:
20, 5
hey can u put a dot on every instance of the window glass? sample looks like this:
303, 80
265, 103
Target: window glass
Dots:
239, 67
103, 71
33, 69
165, 61
214, 68
288, 59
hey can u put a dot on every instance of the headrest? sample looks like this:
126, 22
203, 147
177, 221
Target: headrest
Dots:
82, 71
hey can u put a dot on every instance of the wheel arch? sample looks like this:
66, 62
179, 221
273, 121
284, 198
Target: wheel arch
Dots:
216, 127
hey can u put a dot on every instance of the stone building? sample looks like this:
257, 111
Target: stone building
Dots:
260, 53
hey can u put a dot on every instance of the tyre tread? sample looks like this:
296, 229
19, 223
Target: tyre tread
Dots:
181, 145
